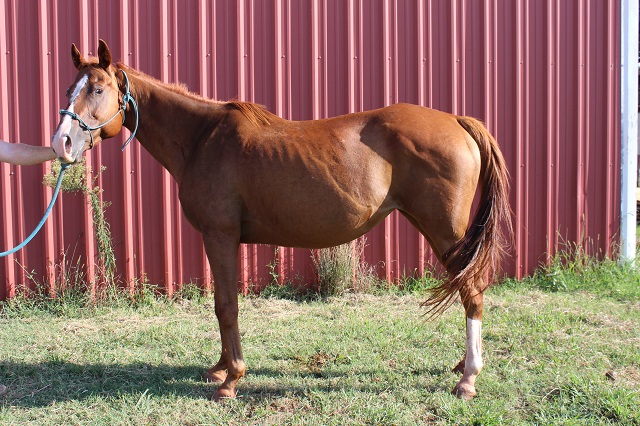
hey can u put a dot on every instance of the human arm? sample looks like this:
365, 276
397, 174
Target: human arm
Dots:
23, 154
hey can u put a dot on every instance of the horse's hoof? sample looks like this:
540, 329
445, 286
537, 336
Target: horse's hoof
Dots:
222, 394
218, 376
464, 391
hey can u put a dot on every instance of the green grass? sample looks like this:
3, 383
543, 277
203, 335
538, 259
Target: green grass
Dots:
563, 353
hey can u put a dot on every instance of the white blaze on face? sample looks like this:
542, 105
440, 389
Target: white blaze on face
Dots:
473, 361
61, 135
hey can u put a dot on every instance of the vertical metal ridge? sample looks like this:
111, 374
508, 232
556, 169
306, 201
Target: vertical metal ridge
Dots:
553, 167
242, 52
166, 180
520, 139
45, 90
128, 171
7, 288
386, 52
610, 126
422, 72
19, 211
178, 241
91, 161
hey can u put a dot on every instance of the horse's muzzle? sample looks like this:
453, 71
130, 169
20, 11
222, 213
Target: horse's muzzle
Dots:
63, 147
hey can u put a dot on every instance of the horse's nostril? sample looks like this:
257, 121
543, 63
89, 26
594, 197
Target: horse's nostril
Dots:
67, 144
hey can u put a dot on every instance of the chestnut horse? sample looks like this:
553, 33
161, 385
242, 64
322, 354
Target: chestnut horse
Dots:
248, 176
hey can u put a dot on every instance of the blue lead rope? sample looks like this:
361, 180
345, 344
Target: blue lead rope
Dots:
44, 218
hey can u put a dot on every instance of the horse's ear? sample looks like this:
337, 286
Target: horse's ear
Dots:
76, 57
104, 54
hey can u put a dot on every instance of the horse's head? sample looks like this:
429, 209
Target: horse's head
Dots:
96, 106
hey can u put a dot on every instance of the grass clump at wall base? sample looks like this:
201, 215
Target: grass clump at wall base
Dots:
340, 269
77, 301
575, 269
80, 178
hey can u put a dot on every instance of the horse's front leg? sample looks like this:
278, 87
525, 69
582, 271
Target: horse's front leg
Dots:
222, 251
471, 364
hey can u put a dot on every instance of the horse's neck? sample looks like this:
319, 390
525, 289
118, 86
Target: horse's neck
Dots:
168, 123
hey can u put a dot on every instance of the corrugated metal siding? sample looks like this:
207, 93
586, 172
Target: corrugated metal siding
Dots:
543, 75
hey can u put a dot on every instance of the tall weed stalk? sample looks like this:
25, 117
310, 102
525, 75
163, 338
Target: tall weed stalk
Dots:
80, 178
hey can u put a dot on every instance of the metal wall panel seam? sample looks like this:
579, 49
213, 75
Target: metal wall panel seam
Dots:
167, 212
610, 87
45, 92
520, 191
85, 18
240, 12
315, 51
395, 216
421, 61
287, 254
280, 64
526, 109
208, 33
245, 35
128, 173
177, 215
522, 150
7, 288
140, 249
18, 217
551, 130
352, 57
386, 51
279, 36
248, 53
456, 52
50, 107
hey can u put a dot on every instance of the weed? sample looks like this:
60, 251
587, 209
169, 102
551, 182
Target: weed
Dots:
576, 268
80, 178
341, 269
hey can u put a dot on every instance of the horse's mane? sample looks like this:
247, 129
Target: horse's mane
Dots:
255, 113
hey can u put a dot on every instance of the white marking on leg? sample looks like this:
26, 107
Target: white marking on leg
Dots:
473, 361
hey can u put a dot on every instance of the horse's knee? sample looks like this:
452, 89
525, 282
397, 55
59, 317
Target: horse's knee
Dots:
227, 313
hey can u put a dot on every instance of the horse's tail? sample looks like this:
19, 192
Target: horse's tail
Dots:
476, 256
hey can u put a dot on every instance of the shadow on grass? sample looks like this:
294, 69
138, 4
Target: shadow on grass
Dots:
40, 385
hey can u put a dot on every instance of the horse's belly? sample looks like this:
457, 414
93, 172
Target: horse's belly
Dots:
313, 222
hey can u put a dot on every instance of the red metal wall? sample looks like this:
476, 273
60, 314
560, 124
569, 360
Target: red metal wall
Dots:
543, 75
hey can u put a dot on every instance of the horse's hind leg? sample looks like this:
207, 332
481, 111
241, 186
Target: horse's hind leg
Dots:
442, 235
471, 295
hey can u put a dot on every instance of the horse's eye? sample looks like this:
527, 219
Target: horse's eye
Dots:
98, 91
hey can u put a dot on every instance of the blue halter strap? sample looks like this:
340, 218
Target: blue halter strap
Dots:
44, 218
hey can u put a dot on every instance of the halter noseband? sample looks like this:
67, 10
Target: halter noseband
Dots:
125, 100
